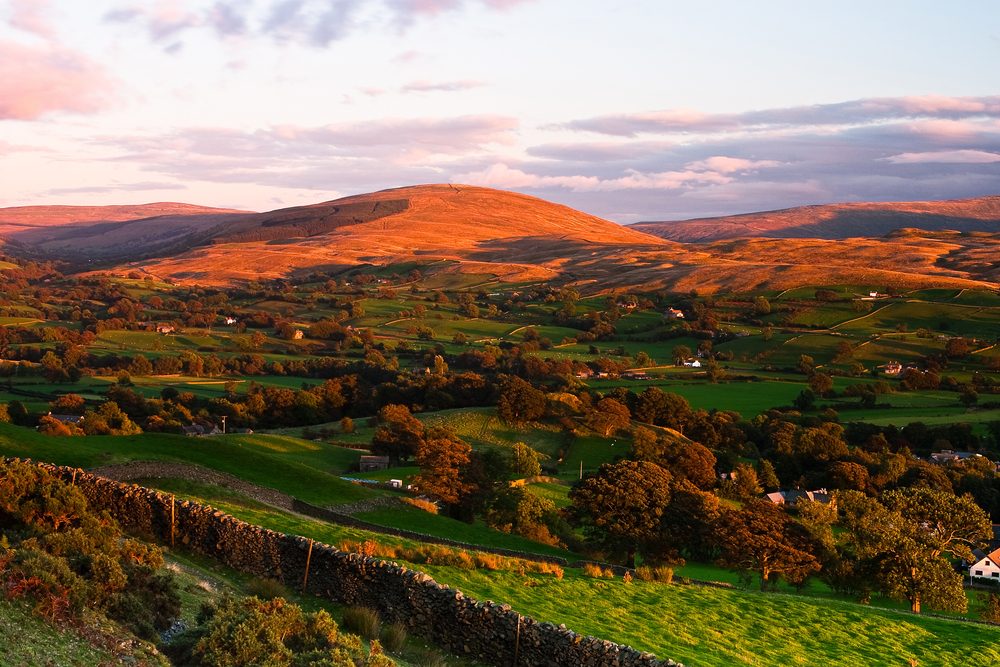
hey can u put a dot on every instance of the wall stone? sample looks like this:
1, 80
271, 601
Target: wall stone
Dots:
491, 632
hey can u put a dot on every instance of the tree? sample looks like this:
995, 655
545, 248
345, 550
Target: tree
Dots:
763, 539
68, 404
519, 401
821, 384
806, 400
761, 306
441, 457
684, 459
609, 416
399, 434
767, 477
848, 475
109, 419
525, 461
654, 406
622, 505
991, 607
908, 535
689, 524
956, 348
643, 360
681, 353
744, 484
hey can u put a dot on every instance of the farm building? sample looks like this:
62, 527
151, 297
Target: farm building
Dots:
987, 567
371, 463
794, 496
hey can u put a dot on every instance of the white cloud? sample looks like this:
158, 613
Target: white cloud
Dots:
965, 156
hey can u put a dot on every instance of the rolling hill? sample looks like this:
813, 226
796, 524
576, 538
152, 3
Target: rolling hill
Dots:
515, 237
836, 221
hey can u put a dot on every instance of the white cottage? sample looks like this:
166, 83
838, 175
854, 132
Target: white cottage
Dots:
987, 567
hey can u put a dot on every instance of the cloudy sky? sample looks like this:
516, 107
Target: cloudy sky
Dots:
632, 110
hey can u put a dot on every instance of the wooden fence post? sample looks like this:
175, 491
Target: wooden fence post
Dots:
517, 640
74, 476
173, 500
305, 577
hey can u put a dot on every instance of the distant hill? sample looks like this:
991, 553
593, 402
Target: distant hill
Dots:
20, 218
488, 231
514, 237
836, 221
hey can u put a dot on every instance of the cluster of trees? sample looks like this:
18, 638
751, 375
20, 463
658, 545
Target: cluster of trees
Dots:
899, 543
471, 483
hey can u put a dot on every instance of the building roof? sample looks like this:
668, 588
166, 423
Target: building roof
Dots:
994, 556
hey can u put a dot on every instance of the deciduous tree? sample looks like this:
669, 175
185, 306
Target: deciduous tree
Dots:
762, 538
910, 535
621, 507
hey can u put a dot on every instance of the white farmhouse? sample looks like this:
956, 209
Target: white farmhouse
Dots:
987, 567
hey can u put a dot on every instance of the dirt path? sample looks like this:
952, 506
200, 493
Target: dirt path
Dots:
125, 472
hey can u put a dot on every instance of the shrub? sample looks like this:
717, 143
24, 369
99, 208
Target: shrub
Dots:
421, 504
394, 637
250, 631
363, 621
594, 570
660, 573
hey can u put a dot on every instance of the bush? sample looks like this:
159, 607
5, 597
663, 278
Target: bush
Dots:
660, 573
594, 570
394, 637
422, 504
363, 621
250, 631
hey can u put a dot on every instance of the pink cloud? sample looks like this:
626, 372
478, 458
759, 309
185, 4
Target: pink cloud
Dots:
502, 176
30, 16
945, 157
729, 165
35, 80
853, 112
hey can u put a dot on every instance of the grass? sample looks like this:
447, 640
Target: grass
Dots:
557, 493
270, 461
709, 626
28, 640
411, 518
703, 626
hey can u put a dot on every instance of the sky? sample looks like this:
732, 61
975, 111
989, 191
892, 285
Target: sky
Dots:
630, 110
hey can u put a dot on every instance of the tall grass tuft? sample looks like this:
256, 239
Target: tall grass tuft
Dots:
267, 589
362, 621
394, 637
660, 573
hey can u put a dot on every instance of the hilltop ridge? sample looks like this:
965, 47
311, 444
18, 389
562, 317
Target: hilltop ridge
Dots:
836, 221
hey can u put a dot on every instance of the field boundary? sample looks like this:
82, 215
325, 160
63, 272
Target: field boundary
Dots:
489, 631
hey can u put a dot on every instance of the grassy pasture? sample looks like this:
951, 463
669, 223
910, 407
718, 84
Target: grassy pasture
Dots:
287, 464
704, 626
943, 318
709, 626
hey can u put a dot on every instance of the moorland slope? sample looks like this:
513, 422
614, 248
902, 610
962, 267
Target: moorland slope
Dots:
836, 221
515, 238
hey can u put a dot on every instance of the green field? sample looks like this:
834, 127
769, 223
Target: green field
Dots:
287, 464
693, 624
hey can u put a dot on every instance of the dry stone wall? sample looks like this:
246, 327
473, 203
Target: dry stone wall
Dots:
491, 632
